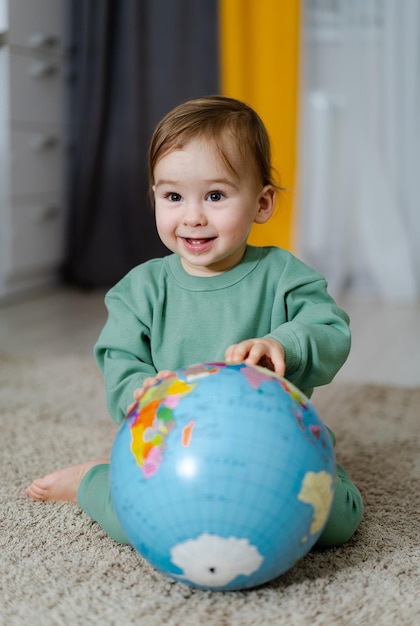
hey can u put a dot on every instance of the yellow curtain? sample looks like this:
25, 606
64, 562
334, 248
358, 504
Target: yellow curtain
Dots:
259, 65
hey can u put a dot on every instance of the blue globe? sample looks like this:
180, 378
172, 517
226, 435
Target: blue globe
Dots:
223, 476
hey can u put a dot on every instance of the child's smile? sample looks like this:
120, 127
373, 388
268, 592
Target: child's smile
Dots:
197, 246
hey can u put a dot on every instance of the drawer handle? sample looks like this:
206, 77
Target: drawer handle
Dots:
41, 143
42, 40
43, 69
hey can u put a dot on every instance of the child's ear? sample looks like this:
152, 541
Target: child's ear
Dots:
266, 203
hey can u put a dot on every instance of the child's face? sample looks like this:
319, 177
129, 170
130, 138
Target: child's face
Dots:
204, 212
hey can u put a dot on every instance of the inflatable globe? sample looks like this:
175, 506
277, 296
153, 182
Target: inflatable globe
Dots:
222, 476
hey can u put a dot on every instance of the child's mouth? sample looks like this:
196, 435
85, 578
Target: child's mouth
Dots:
200, 244
197, 242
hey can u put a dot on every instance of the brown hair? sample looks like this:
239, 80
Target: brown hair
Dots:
217, 118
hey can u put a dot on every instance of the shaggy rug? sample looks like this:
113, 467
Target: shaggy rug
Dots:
58, 567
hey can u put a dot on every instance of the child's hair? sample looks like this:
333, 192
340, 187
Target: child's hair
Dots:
217, 118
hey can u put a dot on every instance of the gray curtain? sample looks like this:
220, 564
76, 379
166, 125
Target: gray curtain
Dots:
130, 61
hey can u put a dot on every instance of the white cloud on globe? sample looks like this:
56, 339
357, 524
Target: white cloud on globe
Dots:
215, 561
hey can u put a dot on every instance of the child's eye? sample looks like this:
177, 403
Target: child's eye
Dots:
173, 197
215, 196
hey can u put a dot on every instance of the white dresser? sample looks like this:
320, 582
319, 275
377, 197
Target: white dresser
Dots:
31, 144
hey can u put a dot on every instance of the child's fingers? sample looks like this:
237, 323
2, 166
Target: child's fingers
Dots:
138, 393
163, 374
238, 351
269, 356
277, 363
266, 352
149, 382
256, 353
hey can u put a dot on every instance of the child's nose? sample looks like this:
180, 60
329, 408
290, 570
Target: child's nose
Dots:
194, 215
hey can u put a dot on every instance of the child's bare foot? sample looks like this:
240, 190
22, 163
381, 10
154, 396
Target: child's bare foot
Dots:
61, 485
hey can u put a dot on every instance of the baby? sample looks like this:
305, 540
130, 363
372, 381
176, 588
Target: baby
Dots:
215, 297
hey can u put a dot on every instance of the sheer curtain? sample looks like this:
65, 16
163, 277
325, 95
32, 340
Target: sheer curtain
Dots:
359, 207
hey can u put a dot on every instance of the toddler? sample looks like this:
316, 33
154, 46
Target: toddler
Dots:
215, 297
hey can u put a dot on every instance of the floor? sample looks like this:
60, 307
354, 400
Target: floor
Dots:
386, 338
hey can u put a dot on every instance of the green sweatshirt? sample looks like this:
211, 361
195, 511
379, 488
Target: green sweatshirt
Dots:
160, 317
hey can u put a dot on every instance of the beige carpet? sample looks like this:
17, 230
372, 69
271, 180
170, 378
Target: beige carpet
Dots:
57, 567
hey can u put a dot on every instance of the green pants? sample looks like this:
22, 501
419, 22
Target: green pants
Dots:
95, 499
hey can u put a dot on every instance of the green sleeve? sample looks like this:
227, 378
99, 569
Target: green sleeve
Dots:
316, 336
123, 355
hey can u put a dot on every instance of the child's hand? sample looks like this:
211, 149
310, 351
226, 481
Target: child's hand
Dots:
265, 352
148, 382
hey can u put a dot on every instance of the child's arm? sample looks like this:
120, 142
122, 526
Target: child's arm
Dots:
124, 356
316, 336
309, 339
